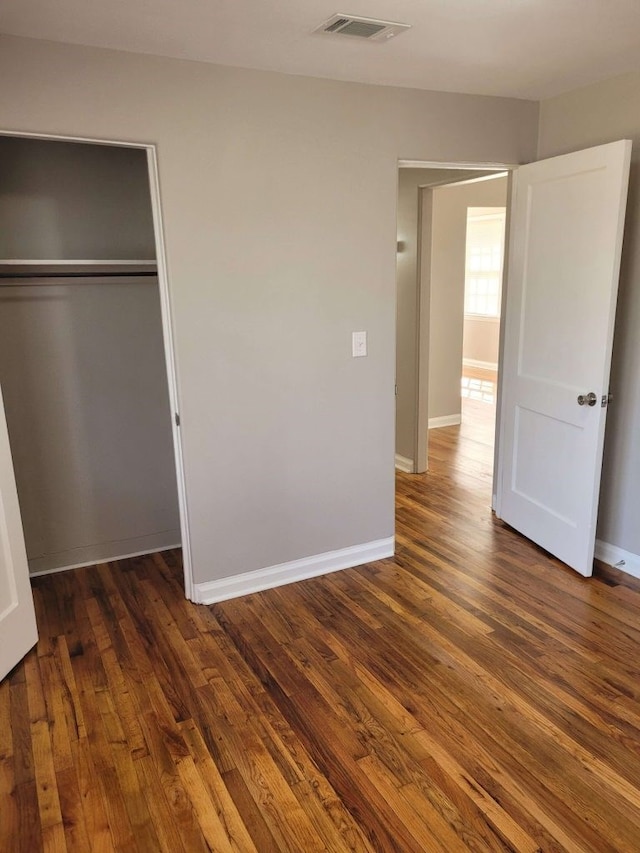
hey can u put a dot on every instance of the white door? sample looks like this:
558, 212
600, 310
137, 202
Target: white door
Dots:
18, 632
564, 261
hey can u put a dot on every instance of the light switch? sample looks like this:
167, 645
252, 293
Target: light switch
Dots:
358, 344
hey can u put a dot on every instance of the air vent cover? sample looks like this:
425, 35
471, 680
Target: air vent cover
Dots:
363, 28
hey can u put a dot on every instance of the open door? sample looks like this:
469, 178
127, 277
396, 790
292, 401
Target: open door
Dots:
18, 632
564, 261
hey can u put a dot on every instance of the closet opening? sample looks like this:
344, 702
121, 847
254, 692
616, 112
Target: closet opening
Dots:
86, 353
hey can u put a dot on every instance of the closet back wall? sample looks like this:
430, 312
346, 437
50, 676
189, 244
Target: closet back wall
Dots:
82, 360
68, 200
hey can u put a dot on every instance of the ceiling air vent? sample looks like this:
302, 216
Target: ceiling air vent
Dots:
363, 28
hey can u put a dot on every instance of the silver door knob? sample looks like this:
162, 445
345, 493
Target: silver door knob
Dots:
589, 399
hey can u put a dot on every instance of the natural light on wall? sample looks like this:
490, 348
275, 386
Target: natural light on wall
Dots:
484, 254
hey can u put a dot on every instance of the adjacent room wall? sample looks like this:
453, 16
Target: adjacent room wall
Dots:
69, 201
480, 341
601, 113
481, 335
448, 250
279, 202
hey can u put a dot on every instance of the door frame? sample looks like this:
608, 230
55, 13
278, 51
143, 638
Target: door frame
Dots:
166, 311
423, 293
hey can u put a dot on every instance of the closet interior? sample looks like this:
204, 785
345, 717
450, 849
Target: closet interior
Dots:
82, 360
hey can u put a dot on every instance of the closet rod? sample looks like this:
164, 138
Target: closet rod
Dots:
73, 273
58, 279
15, 269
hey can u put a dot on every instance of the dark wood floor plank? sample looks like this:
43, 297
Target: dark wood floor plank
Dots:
93, 805
166, 748
8, 802
43, 758
170, 839
217, 798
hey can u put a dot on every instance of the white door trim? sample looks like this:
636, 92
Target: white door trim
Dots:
423, 333
167, 324
172, 379
439, 164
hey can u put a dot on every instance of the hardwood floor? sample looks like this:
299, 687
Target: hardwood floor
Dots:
470, 694
479, 392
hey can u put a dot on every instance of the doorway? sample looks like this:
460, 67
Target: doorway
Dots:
447, 351
86, 359
557, 341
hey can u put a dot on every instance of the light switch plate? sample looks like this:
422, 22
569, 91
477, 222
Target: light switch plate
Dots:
358, 344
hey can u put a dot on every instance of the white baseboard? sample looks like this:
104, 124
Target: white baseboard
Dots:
618, 558
296, 570
404, 464
481, 365
90, 555
444, 421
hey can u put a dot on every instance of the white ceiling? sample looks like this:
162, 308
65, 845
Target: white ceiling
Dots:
520, 48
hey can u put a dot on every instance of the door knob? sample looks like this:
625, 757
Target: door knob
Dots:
589, 399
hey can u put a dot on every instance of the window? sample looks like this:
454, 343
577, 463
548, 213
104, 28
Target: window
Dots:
485, 250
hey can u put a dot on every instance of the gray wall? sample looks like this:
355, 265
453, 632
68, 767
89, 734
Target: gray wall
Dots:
85, 392
597, 114
279, 201
64, 201
449, 234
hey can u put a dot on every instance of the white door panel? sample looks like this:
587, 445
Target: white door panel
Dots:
564, 261
18, 632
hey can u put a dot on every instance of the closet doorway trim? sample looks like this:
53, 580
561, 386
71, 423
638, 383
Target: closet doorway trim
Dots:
167, 324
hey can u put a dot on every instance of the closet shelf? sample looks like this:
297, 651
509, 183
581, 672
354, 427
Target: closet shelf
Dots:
70, 269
